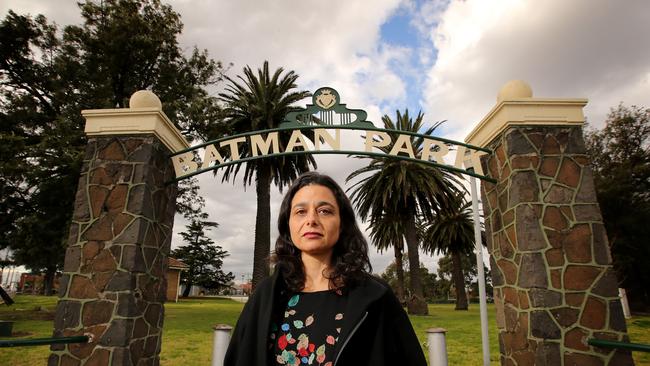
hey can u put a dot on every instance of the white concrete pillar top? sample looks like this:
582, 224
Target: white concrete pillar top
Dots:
144, 116
144, 99
517, 107
222, 327
514, 89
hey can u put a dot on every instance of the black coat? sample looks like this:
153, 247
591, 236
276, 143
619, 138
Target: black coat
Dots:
376, 330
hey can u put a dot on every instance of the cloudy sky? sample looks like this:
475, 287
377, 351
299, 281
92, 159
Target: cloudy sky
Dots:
446, 58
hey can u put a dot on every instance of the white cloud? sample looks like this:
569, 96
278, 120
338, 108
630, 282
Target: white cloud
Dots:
584, 49
62, 12
333, 42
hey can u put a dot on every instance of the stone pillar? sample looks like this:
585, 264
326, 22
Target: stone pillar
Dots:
554, 286
113, 285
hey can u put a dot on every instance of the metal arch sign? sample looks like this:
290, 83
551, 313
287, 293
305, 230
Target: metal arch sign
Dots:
325, 114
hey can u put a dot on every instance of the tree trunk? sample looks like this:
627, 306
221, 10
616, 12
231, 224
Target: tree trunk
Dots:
459, 282
416, 304
5, 297
262, 249
399, 269
188, 288
48, 281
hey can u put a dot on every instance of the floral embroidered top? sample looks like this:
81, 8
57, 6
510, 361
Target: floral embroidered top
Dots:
309, 329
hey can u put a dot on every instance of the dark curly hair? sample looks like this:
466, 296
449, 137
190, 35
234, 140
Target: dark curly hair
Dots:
350, 262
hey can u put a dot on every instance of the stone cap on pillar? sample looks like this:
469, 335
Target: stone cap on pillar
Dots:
436, 330
517, 107
144, 116
222, 327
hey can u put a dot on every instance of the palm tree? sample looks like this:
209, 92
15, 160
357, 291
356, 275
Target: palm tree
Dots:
403, 190
385, 233
260, 101
452, 233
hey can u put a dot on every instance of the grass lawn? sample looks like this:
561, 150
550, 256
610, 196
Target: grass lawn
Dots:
187, 336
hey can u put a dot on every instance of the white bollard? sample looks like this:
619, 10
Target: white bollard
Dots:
437, 346
624, 304
220, 343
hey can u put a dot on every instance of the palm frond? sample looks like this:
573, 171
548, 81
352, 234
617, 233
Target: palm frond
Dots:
259, 100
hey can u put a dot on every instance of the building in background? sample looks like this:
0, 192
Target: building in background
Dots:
175, 267
9, 272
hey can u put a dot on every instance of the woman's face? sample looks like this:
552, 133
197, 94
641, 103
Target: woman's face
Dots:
314, 221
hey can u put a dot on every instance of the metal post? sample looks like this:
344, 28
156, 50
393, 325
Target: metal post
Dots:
178, 284
12, 269
44, 341
481, 275
437, 346
8, 280
220, 343
624, 304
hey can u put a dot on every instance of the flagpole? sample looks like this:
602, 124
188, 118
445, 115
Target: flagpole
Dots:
481, 275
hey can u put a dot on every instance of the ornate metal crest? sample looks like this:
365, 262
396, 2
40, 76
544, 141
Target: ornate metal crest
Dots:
326, 110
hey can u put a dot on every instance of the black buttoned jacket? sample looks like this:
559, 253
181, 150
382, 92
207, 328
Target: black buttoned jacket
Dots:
376, 330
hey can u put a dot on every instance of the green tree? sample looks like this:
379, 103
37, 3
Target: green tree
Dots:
429, 280
202, 256
474, 286
46, 80
259, 101
467, 262
470, 278
443, 288
452, 232
446, 270
26, 104
189, 203
403, 191
385, 233
620, 155
38, 169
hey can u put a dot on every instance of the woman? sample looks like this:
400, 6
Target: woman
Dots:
321, 306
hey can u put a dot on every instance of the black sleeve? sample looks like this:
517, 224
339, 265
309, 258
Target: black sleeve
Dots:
239, 338
236, 339
243, 347
402, 337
